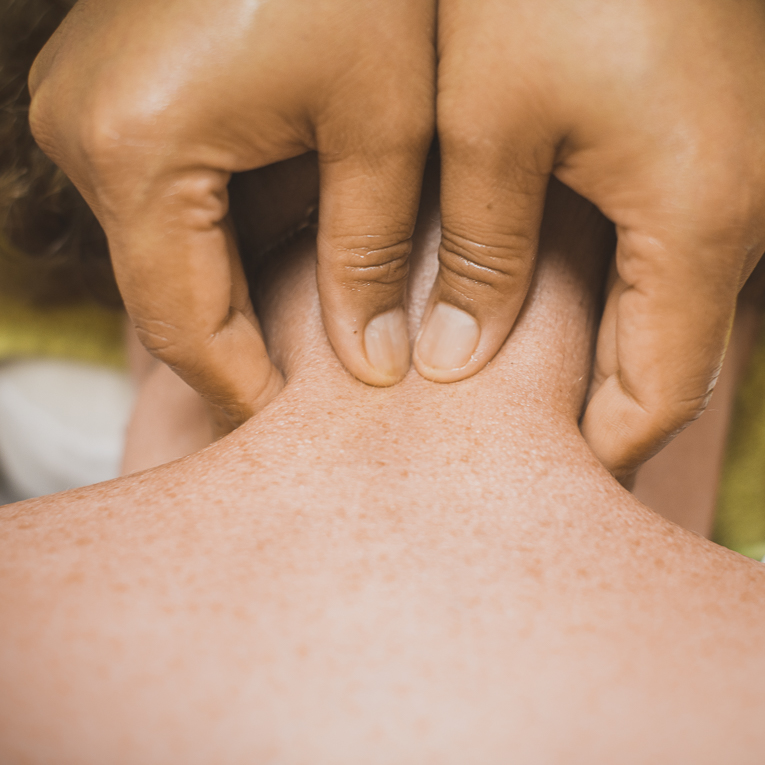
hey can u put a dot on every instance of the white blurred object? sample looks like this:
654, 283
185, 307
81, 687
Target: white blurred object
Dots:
62, 425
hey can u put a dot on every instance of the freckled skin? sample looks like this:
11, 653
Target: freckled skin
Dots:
422, 574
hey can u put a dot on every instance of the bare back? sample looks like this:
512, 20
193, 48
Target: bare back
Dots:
422, 574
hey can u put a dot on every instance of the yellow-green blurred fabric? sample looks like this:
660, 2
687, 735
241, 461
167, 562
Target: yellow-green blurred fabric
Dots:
82, 332
740, 516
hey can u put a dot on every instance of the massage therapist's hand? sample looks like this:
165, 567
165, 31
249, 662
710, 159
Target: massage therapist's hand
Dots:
150, 106
654, 111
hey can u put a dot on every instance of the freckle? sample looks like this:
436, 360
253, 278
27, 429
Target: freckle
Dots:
82, 541
355, 332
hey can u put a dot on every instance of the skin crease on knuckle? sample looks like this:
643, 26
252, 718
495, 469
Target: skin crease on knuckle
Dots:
384, 267
423, 573
483, 265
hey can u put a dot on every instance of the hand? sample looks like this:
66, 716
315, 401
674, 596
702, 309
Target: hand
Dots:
150, 107
653, 111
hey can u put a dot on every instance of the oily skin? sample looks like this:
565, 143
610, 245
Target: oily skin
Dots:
418, 574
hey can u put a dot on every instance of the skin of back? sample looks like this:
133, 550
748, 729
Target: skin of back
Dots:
422, 574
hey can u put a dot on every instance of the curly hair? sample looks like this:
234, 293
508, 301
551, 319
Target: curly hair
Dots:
52, 248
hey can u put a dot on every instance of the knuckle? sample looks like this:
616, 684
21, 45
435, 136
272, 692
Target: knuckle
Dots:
682, 412
405, 111
161, 339
176, 345
495, 265
404, 136
102, 135
386, 263
99, 130
460, 129
456, 134
117, 124
668, 416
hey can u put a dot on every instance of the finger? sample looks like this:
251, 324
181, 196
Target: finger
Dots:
492, 197
660, 347
180, 275
366, 221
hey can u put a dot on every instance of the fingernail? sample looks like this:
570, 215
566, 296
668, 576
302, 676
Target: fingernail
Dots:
449, 338
387, 343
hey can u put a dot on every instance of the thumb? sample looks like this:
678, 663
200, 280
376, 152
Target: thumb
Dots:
179, 272
491, 208
366, 221
660, 346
